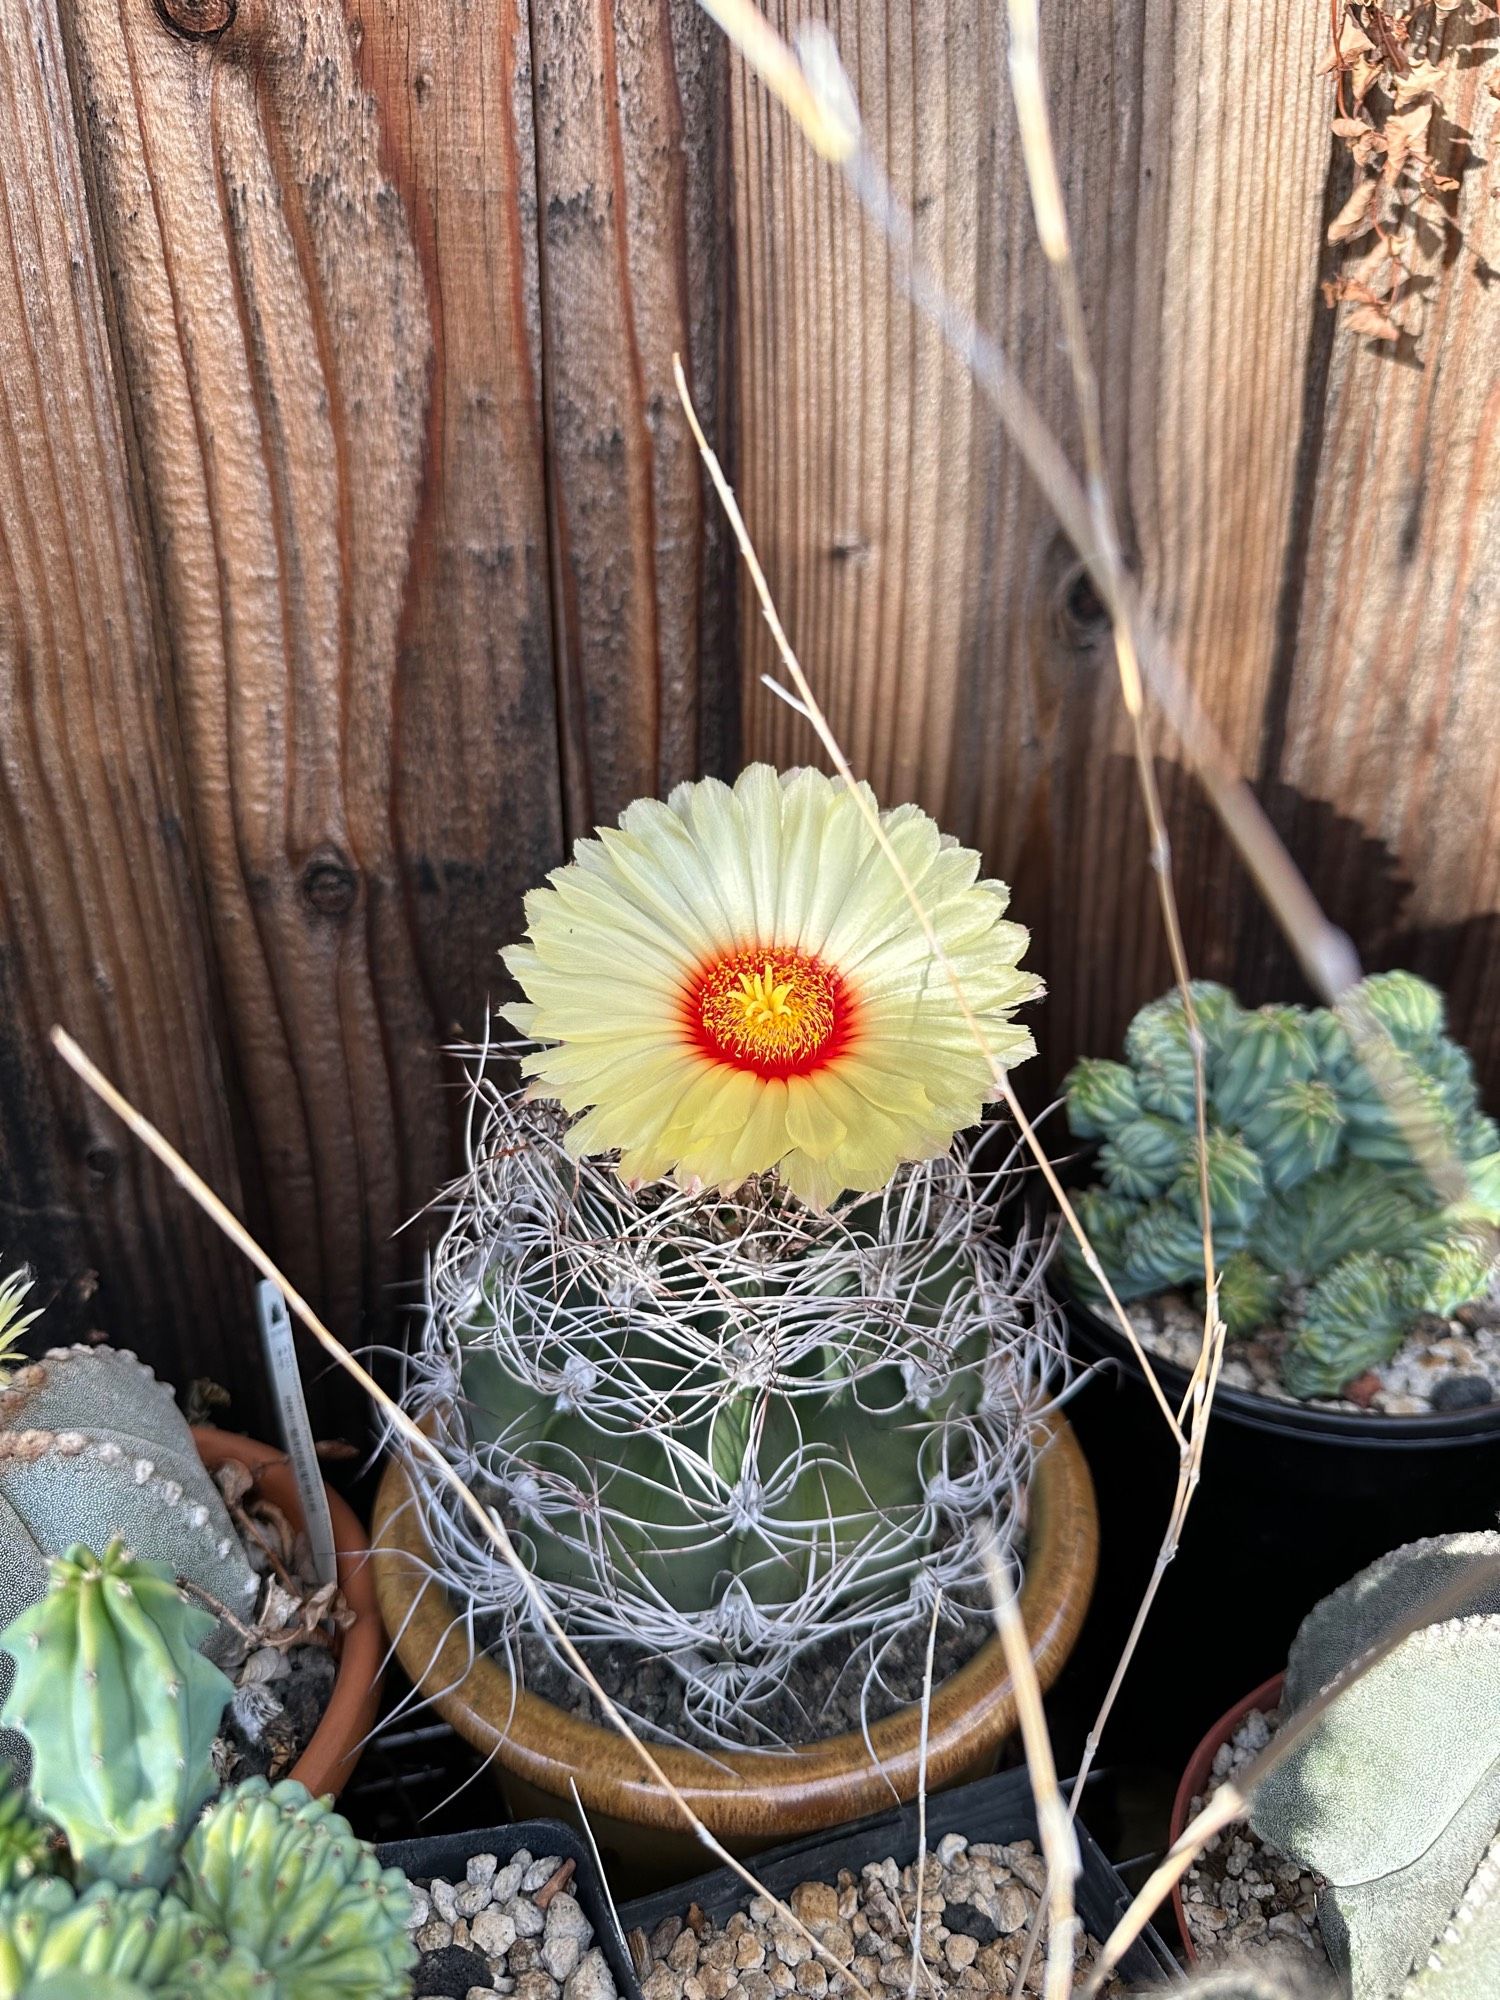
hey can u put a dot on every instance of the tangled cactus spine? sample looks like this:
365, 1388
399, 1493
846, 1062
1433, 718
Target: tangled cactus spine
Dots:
725, 1428
1322, 1216
120, 1709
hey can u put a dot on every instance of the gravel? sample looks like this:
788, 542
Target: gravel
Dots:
977, 1903
1444, 1364
1242, 1895
509, 1928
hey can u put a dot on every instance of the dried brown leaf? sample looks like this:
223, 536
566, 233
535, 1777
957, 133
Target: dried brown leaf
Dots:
1352, 41
1350, 128
234, 1481
1373, 322
1422, 77
1354, 218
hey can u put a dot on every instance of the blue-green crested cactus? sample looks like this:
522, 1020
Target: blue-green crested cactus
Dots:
137, 1939
120, 1709
1321, 1216
92, 1446
288, 1882
1393, 1796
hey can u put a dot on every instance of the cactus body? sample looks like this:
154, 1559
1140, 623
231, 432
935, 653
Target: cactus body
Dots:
152, 1943
26, 1846
92, 1447
1309, 1173
287, 1882
120, 1709
725, 1429
1394, 1794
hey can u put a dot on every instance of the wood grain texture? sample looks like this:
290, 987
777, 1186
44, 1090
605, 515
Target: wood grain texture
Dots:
418, 614
1264, 492
355, 559
100, 912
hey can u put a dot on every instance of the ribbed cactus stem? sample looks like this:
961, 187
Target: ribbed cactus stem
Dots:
136, 1940
92, 1446
288, 1882
727, 1428
120, 1709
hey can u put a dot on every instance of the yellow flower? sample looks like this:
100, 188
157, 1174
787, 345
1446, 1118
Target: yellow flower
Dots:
735, 981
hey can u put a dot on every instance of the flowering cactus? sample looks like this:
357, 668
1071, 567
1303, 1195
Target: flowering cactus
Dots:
722, 1320
1320, 1212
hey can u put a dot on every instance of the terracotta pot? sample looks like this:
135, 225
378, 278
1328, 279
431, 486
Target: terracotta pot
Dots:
328, 1762
750, 1799
1200, 1767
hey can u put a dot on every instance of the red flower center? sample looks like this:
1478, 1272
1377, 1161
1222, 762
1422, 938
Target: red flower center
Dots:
770, 1009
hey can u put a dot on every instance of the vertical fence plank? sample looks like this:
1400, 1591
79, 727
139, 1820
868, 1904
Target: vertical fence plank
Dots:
1384, 755
1266, 499
436, 581
100, 916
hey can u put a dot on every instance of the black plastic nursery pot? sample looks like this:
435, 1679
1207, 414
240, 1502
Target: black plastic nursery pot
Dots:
446, 1855
997, 1809
1293, 1501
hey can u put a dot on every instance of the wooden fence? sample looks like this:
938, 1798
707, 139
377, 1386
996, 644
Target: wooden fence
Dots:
353, 555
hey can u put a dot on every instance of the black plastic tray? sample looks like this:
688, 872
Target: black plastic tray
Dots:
447, 1854
998, 1809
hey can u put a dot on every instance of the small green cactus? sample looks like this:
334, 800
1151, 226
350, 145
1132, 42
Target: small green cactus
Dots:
153, 1943
27, 1848
121, 1710
1393, 1796
1321, 1216
93, 1446
272, 1897
286, 1880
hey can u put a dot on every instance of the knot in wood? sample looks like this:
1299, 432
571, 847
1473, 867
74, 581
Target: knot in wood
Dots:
329, 884
197, 20
1082, 617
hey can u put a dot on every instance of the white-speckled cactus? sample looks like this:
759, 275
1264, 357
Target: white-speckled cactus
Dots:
93, 1447
1394, 1794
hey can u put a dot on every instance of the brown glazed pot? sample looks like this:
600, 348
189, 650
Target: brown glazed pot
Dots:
1195, 1780
328, 1762
750, 1799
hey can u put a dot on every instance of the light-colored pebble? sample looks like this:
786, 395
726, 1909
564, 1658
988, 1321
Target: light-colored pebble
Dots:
493, 1932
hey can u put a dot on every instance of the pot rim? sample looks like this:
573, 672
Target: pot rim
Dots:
743, 1793
1199, 1769
335, 1746
1373, 1430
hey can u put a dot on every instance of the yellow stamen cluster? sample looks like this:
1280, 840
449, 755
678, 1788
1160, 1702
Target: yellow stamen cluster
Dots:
775, 1012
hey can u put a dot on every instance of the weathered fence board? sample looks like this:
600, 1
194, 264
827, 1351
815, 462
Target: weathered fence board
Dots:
355, 557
